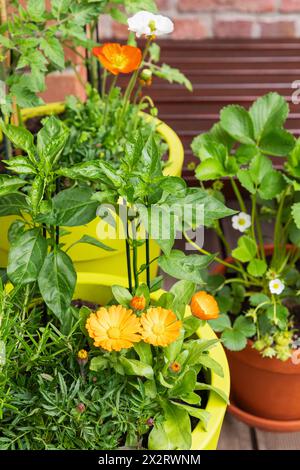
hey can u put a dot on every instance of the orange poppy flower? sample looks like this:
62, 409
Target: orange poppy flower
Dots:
204, 306
118, 59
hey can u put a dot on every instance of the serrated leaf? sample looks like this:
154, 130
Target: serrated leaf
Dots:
245, 326
233, 340
268, 112
246, 250
53, 50
237, 122
257, 267
278, 143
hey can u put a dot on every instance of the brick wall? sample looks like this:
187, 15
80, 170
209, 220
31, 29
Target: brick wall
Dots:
200, 19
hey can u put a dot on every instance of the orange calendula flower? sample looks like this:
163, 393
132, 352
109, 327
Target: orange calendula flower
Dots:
138, 302
114, 328
160, 326
118, 59
204, 306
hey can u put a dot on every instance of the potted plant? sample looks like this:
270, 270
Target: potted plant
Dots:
257, 284
100, 127
131, 384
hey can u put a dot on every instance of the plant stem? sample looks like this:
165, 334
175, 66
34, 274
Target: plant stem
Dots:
107, 101
277, 229
128, 259
134, 257
103, 84
148, 261
204, 252
238, 195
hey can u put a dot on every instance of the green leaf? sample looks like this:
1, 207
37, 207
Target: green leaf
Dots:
259, 167
71, 207
210, 363
272, 185
219, 324
134, 367
59, 7
118, 15
268, 112
183, 291
51, 140
122, 295
257, 267
185, 384
10, 184
218, 391
86, 171
245, 178
53, 50
278, 143
94, 242
245, 326
36, 8
168, 435
134, 6
257, 299
26, 257
154, 51
57, 280
246, 250
234, 340
12, 204
295, 209
172, 75
144, 352
245, 153
197, 413
237, 122
21, 165
20, 137
209, 170
191, 325
187, 267
99, 363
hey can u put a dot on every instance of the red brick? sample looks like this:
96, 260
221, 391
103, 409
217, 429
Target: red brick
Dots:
278, 29
189, 29
61, 85
163, 4
290, 5
119, 31
233, 29
253, 6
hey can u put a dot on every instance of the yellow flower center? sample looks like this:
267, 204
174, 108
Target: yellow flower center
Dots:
157, 329
114, 332
275, 285
242, 221
120, 60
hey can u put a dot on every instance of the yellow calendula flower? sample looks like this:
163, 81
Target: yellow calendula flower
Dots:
160, 326
114, 328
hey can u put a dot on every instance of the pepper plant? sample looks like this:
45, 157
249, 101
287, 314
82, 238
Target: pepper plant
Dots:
37, 260
259, 295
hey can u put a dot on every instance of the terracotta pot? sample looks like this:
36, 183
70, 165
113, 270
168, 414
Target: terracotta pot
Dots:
263, 387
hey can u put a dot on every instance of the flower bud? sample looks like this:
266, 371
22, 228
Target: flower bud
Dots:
80, 407
150, 422
146, 74
175, 367
82, 357
138, 302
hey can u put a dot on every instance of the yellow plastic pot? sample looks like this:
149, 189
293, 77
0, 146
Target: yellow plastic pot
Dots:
97, 288
90, 258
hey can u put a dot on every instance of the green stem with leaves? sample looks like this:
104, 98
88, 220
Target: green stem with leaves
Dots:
238, 195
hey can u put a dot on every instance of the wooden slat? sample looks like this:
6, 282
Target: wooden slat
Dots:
235, 435
278, 441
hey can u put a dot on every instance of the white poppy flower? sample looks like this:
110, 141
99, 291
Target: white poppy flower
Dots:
149, 24
276, 286
241, 221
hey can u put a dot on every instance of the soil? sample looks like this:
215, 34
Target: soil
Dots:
79, 303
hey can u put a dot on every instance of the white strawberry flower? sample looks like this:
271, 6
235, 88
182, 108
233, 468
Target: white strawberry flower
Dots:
276, 286
148, 24
241, 221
